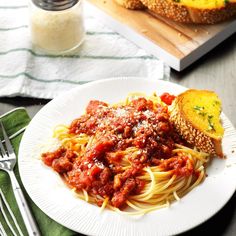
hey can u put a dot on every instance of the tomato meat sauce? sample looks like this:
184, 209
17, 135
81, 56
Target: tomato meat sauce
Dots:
98, 170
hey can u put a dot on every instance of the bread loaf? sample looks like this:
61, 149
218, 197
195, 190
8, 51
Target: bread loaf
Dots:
193, 11
187, 11
131, 4
196, 116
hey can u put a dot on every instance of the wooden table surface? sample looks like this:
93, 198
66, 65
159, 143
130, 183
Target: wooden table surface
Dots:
216, 71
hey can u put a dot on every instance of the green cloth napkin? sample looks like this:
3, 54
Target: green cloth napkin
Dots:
14, 121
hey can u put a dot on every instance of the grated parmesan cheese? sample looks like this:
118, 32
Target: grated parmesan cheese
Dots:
57, 31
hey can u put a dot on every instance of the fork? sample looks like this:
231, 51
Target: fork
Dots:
3, 202
7, 163
2, 230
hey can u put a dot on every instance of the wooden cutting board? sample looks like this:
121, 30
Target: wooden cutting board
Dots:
179, 45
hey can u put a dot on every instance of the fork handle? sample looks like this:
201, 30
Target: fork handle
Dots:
29, 221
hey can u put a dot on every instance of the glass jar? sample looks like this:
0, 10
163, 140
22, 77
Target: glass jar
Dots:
56, 25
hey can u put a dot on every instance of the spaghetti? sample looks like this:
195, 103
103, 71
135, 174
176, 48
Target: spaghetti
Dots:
126, 155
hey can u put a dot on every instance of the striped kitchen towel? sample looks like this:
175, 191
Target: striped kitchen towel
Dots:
24, 71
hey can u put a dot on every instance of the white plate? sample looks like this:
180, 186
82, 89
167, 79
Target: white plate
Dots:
50, 194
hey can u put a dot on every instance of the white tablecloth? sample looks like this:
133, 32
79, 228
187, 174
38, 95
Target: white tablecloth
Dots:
25, 71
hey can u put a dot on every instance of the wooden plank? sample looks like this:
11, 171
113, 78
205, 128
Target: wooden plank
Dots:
177, 44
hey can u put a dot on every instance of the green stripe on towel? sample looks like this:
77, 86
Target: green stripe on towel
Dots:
88, 32
31, 77
13, 7
14, 28
100, 33
76, 56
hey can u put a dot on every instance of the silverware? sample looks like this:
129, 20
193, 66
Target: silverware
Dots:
7, 163
2, 230
3, 201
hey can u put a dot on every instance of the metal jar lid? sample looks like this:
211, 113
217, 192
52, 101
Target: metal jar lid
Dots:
55, 5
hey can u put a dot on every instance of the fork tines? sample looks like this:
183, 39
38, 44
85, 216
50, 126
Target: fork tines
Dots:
7, 142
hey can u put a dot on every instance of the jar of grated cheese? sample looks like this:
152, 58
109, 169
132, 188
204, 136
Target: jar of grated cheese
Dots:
56, 25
